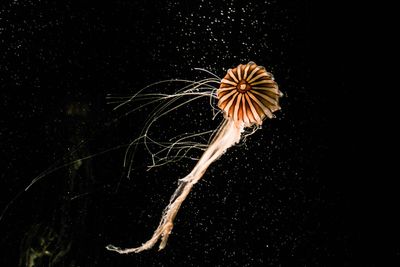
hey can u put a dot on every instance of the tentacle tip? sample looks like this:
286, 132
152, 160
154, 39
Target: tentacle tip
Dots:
163, 243
161, 247
113, 248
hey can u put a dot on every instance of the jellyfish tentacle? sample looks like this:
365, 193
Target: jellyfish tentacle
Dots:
164, 109
228, 135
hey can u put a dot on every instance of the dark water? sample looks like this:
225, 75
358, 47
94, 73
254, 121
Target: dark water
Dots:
282, 199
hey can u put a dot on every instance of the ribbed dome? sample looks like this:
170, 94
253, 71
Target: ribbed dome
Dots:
248, 93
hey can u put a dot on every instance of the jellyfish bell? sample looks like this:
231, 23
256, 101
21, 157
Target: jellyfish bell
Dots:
248, 94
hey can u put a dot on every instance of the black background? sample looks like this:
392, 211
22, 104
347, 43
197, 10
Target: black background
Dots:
296, 194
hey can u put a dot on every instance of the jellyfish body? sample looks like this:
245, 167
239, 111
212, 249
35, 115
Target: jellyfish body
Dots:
246, 95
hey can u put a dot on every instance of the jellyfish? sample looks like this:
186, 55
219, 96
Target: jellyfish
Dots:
246, 96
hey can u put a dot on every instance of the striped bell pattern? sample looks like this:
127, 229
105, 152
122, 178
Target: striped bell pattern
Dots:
248, 94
